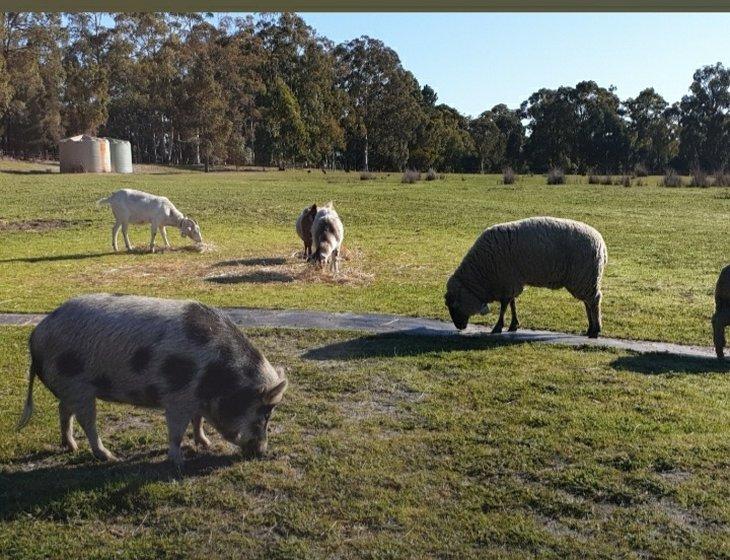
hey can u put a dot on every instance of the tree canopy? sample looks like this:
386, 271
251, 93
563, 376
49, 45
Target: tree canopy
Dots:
268, 90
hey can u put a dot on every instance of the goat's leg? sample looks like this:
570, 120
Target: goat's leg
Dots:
127, 242
115, 235
163, 231
515, 321
153, 233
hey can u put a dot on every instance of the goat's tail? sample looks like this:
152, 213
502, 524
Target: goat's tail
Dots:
103, 201
28, 408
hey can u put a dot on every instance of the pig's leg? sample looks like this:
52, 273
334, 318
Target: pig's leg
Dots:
86, 415
67, 427
198, 434
177, 423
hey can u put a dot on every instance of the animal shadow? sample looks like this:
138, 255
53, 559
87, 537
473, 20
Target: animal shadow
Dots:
261, 261
657, 363
256, 277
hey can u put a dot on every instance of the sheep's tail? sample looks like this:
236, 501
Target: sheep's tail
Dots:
28, 408
103, 201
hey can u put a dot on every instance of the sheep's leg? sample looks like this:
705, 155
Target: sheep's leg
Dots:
163, 231
115, 235
515, 321
127, 243
500, 322
719, 321
593, 310
153, 233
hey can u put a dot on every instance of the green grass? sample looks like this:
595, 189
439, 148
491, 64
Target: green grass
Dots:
395, 447
666, 246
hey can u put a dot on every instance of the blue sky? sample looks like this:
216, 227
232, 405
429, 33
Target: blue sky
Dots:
475, 61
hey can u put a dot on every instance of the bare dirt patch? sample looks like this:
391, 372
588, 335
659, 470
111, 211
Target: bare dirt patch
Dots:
39, 225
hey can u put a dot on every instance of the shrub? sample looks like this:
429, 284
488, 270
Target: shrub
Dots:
671, 179
509, 176
593, 179
411, 176
431, 175
699, 179
367, 176
722, 179
607, 180
640, 170
556, 176
626, 181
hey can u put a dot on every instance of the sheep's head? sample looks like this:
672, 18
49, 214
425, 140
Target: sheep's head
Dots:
462, 303
190, 228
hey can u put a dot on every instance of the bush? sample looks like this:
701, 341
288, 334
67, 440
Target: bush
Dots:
556, 176
640, 170
509, 177
594, 179
722, 179
607, 180
626, 181
367, 176
671, 179
699, 179
411, 176
431, 175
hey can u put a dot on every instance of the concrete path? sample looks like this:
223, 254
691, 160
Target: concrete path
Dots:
379, 323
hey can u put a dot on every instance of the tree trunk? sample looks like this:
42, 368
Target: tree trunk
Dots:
367, 149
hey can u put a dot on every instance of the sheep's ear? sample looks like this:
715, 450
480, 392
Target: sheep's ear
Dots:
274, 395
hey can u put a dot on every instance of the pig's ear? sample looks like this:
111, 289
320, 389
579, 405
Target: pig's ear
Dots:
313, 209
274, 395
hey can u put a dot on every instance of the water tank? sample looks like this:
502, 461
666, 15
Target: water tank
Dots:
121, 155
84, 154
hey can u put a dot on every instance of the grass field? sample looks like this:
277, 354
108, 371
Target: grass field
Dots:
392, 447
666, 246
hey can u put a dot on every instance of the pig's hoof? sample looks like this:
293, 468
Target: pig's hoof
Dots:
70, 446
105, 455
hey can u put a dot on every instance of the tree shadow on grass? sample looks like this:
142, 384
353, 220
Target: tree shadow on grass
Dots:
261, 261
656, 363
258, 277
53, 258
29, 171
43, 490
413, 342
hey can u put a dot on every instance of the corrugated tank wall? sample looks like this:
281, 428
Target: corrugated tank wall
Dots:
121, 155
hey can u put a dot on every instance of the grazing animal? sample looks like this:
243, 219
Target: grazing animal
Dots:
721, 318
304, 228
181, 356
327, 235
136, 207
544, 252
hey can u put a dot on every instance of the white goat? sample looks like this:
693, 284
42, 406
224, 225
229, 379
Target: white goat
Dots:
136, 207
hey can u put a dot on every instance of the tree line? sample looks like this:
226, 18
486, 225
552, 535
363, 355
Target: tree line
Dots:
268, 90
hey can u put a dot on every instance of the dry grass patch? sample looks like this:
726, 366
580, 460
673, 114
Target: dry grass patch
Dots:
39, 225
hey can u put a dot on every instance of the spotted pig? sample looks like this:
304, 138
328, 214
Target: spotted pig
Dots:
180, 356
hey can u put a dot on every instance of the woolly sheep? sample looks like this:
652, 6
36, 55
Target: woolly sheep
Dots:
327, 235
721, 318
136, 207
304, 228
544, 252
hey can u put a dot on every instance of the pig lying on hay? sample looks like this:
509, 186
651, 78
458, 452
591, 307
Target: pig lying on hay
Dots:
181, 356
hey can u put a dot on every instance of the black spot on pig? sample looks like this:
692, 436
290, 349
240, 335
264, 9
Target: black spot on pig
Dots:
201, 323
103, 385
237, 403
218, 380
69, 363
140, 359
178, 371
